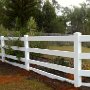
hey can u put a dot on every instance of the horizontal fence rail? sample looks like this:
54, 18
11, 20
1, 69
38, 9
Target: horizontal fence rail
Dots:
52, 52
51, 75
77, 55
85, 56
15, 64
85, 38
53, 66
14, 57
85, 73
51, 38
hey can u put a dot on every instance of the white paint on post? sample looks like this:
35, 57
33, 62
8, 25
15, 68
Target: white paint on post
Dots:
2, 48
77, 61
26, 44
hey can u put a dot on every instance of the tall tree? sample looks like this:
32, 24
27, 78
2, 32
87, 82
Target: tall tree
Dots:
77, 18
38, 15
56, 4
19, 11
48, 16
2, 11
58, 25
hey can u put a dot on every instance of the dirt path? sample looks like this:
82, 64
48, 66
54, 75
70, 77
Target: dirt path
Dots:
10, 74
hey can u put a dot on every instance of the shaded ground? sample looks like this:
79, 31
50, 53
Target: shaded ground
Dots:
14, 78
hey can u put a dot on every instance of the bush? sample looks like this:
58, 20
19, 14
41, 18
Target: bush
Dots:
61, 61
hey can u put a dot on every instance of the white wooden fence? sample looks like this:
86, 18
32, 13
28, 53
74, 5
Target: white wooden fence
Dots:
77, 38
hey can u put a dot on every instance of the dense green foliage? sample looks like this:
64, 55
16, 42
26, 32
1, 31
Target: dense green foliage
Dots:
16, 14
78, 18
19, 11
48, 16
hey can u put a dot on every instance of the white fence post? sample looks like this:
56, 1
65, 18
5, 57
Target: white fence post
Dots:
26, 44
77, 61
2, 48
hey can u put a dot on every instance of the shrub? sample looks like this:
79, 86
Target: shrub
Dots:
60, 61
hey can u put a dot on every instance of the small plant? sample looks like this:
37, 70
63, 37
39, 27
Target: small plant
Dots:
61, 61
8, 48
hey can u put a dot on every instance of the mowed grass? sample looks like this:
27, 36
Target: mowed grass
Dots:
64, 48
25, 85
68, 48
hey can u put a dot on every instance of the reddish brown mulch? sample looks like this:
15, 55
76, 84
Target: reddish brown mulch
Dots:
15, 74
10, 79
10, 74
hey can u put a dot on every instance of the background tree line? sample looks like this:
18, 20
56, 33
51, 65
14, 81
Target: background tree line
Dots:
41, 16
